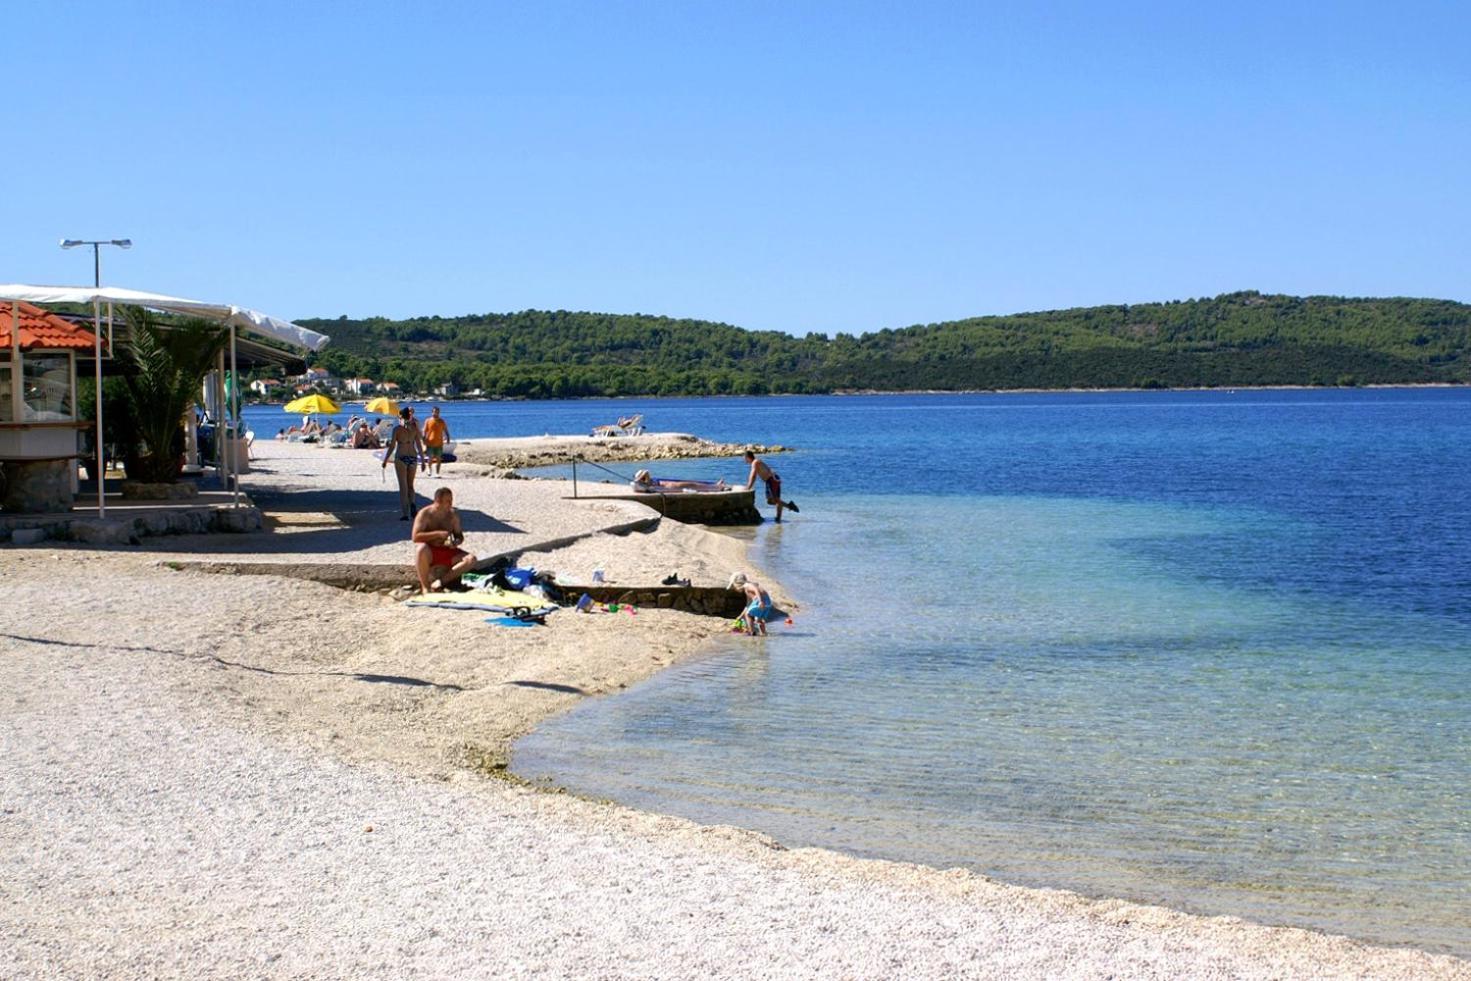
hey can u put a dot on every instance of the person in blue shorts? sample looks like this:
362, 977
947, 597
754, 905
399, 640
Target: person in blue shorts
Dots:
758, 605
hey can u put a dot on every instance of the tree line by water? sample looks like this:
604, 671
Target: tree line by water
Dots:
1236, 339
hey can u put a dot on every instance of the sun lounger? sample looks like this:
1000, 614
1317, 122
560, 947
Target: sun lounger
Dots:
626, 426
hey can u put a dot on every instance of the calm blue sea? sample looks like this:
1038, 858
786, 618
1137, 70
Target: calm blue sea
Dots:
1206, 649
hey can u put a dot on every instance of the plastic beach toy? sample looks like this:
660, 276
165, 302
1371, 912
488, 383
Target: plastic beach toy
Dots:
510, 622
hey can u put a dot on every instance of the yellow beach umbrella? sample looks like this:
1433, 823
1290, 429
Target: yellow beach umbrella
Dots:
312, 405
381, 407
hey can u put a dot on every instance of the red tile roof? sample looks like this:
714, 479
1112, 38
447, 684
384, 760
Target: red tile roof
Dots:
39, 329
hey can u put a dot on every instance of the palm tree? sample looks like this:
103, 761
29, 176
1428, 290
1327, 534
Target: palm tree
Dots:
168, 364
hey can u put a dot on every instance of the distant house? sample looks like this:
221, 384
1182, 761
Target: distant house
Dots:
448, 389
263, 386
389, 388
320, 377
359, 386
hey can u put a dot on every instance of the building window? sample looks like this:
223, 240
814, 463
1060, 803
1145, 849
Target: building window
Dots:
7, 406
48, 387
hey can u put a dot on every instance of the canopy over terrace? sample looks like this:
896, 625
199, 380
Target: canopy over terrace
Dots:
235, 318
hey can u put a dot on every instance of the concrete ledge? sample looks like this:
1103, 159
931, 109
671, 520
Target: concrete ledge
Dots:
137, 490
731, 507
128, 526
714, 601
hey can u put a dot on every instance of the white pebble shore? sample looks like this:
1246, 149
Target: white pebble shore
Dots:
140, 837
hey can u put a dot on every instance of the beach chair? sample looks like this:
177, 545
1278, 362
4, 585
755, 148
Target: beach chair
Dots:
631, 425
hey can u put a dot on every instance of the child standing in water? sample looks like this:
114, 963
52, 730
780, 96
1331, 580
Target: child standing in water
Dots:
758, 604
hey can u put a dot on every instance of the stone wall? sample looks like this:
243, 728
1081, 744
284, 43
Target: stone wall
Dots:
712, 601
36, 487
129, 525
732, 507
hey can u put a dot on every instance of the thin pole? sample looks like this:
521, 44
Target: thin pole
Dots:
574, 478
17, 413
219, 387
234, 413
97, 380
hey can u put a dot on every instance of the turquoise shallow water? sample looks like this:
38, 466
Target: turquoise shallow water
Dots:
1071, 712
1203, 649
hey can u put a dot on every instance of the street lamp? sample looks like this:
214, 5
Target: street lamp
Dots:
97, 244
122, 243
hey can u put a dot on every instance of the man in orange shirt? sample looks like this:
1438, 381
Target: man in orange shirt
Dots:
436, 434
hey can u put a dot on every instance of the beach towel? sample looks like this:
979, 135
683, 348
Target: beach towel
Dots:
489, 600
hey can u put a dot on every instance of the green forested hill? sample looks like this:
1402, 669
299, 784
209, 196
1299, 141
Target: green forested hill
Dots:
1232, 340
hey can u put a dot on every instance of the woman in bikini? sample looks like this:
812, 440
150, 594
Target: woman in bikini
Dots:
405, 449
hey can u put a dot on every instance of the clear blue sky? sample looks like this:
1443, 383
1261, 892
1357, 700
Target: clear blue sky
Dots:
789, 166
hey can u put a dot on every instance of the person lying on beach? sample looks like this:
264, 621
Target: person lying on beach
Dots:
437, 536
646, 483
773, 484
758, 605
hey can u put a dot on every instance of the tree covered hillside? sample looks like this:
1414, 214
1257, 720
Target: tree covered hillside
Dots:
1232, 340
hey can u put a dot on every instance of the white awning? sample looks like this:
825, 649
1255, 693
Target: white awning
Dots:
250, 321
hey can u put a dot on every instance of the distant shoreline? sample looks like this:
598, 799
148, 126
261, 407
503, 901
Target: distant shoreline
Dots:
911, 391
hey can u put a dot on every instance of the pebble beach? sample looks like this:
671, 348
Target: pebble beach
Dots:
216, 775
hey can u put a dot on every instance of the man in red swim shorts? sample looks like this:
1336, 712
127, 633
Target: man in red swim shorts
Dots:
437, 537
773, 484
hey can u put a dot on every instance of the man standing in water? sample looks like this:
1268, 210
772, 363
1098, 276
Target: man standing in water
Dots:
436, 434
773, 484
438, 557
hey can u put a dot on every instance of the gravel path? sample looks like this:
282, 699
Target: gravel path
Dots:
142, 837
340, 507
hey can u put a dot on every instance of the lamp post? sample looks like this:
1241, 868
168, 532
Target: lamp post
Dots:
122, 243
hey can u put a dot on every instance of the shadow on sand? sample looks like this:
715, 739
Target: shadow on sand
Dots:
549, 686
360, 521
378, 679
